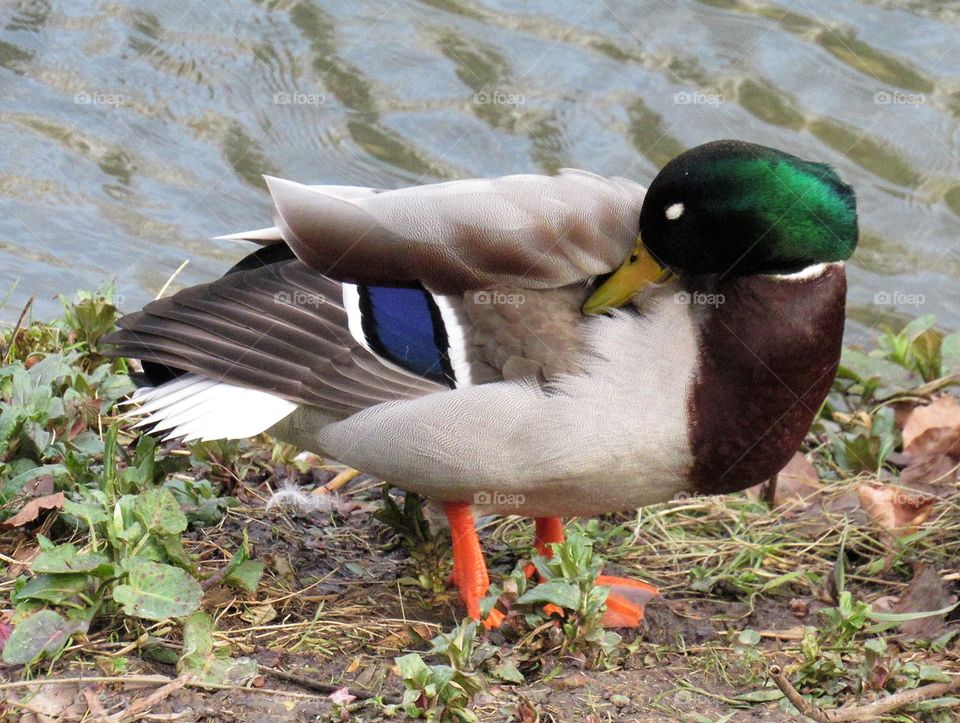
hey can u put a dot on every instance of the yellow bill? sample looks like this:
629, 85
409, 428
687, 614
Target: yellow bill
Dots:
636, 272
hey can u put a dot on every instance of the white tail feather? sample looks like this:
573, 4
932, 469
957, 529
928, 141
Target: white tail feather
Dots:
195, 407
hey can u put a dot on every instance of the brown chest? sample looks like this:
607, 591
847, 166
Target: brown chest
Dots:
769, 351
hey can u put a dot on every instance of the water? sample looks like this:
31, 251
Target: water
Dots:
134, 131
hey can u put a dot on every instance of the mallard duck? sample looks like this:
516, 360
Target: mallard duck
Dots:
463, 340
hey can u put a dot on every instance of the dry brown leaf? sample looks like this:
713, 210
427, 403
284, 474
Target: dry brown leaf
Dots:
40, 487
895, 509
930, 469
23, 555
925, 592
798, 481
30, 511
799, 607
404, 638
58, 702
570, 682
934, 428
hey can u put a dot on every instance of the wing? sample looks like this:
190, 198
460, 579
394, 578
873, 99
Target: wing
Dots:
525, 231
271, 324
369, 299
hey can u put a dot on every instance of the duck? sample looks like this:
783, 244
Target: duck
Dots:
549, 346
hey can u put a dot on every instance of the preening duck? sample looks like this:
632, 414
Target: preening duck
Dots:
462, 340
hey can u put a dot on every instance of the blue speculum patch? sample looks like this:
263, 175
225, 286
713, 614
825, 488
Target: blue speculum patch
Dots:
403, 325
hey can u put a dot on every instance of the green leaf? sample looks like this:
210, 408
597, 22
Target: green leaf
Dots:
950, 353
764, 695
558, 592
21, 480
246, 575
160, 512
200, 660
66, 559
412, 669
54, 589
89, 512
897, 618
933, 674
43, 633
173, 546
155, 591
860, 367
508, 671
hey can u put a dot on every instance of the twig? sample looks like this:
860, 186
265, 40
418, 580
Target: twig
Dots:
98, 713
337, 482
147, 680
873, 711
215, 578
324, 687
869, 712
799, 702
175, 274
16, 329
158, 696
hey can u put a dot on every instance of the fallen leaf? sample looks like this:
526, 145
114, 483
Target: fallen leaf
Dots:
259, 614
925, 592
526, 711
930, 469
897, 510
798, 481
58, 701
885, 604
934, 428
30, 511
571, 682
341, 696
40, 487
415, 633
23, 555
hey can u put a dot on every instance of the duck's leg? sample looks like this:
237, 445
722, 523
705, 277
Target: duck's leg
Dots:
549, 530
627, 597
469, 567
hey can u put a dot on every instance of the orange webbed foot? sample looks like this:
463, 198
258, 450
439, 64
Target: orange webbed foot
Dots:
626, 601
469, 568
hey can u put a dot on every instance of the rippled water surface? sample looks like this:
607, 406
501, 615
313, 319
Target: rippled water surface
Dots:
133, 131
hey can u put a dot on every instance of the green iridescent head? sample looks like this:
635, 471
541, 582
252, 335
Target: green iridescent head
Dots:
735, 208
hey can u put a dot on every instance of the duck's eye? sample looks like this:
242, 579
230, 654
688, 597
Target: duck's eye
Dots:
674, 211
